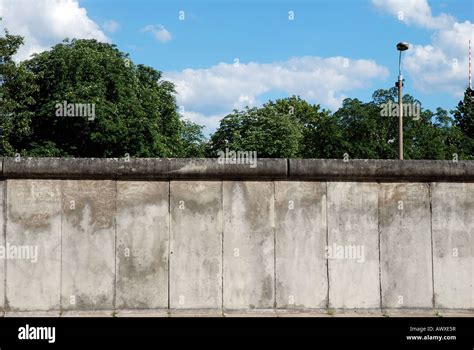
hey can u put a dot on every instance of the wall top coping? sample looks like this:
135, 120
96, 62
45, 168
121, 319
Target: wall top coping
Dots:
214, 169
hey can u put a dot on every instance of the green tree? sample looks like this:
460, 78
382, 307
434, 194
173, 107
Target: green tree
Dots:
464, 113
266, 130
16, 89
285, 128
464, 126
193, 142
321, 136
366, 133
132, 112
371, 129
135, 110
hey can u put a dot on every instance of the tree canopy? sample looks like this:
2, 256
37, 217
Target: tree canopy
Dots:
293, 128
134, 112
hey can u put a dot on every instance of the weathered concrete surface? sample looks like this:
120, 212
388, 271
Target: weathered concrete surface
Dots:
380, 170
88, 245
142, 245
196, 245
301, 269
143, 313
213, 169
405, 245
453, 244
228, 245
353, 245
242, 313
34, 223
2, 244
142, 168
249, 221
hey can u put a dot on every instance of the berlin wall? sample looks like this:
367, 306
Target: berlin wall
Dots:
192, 234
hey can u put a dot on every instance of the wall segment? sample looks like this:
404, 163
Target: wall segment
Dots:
148, 234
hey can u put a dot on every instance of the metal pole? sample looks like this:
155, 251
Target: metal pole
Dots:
400, 109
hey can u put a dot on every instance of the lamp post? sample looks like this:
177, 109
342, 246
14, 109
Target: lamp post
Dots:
401, 46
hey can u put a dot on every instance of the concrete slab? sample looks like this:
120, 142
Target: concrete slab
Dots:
453, 244
353, 245
33, 227
196, 245
88, 252
142, 245
249, 241
301, 269
405, 245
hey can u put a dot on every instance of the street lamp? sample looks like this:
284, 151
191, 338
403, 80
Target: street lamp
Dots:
401, 46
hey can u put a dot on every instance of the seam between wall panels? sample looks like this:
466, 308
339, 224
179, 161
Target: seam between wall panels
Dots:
274, 246
5, 218
169, 245
432, 247
327, 245
61, 189
222, 248
379, 244
114, 300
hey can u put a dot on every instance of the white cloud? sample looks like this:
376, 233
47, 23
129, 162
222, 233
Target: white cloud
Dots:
210, 122
217, 90
440, 66
159, 32
416, 12
111, 26
44, 23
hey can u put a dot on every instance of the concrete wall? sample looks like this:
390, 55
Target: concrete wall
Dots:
405, 245
33, 216
196, 245
142, 245
249, 245
88, 244
176, 239
353, 226
453, 244
300, 242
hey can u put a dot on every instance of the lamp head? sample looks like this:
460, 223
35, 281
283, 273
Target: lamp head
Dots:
402, 46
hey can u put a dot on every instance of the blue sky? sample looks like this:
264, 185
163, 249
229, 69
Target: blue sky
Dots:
347, 46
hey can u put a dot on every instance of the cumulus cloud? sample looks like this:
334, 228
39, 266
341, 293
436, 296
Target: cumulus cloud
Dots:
416, 12
44, 23
111, 26
219, 89
210, 122
159, 32
440, 66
